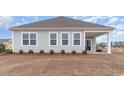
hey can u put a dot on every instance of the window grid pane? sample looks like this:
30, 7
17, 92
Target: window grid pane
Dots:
76, 42
76, 38
64, 36
25, 37
25, 42
32, 36
64, 42
52, 42
33, 39
53, 39
32, 42
53, 36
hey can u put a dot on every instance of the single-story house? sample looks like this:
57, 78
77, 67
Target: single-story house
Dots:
60, 33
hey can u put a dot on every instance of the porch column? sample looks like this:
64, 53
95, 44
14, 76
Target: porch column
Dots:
94, 44
84, 38
108, 43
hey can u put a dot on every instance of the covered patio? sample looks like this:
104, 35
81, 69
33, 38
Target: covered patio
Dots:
90, 41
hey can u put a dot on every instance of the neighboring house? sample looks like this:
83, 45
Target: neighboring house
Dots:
7, 42
60, 33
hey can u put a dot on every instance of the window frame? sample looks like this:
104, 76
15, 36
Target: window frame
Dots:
73, 38
25, 39
56, 38
68, 38
29, 38
33, 38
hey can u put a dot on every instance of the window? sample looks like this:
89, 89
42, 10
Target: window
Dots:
29, 38
53, 38
76, 38
25, 39
65, 38
32, 39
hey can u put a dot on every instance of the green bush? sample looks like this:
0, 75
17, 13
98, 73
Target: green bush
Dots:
41, 51
98, 50
73, 52
62, 51
21, 51
30, 51
8, 51
84, 52
2, 47
51, 52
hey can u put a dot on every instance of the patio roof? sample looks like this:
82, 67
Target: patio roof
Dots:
94, 34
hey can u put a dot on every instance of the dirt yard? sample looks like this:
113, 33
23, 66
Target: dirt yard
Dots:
62, 65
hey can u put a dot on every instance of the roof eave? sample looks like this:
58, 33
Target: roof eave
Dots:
111, 28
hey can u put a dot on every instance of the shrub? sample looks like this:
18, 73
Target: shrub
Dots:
73, 52
21, 51
8, 51
0, 51
51, 51
62, 51
41, 51
98, 50
84, 52
30, 52
2, 48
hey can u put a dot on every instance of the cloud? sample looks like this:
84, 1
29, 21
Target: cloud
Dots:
17, 24
120, 32
119, 26
90, 19
23, 20
113, 20
5, 21
79, 17
94, 19
36, 18
75, 17
121, 20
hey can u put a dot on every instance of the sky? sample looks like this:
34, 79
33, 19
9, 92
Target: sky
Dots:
114, 21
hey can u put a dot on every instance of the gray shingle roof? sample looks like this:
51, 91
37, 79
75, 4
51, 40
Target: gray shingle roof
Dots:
60, 22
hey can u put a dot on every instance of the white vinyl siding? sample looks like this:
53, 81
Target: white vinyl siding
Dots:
76, 38
29, 39
42, 42
53, 38
65, 38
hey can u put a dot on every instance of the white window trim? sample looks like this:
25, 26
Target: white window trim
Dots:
68, 38
29, 38
73, 38
56, 38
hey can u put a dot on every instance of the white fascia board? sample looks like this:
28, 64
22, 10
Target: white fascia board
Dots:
69, 28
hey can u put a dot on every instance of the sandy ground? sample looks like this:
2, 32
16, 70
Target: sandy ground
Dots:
62, 65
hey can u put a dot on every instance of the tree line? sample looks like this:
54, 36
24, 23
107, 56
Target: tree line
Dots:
115, 44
